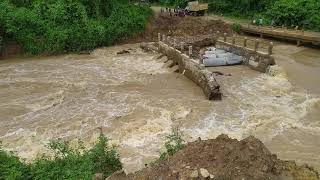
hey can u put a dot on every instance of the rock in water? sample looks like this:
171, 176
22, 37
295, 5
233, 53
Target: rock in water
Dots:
123, 52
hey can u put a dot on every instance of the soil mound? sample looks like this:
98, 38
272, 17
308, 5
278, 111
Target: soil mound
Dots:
189, 26
224, 158
180, 27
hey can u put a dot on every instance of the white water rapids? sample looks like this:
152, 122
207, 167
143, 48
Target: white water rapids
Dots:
137, 102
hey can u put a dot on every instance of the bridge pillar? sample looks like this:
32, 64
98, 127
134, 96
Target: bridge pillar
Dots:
270, 48
245, 42
298, 43
256, 45
190, 51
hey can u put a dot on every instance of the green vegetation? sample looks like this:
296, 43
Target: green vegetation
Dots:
173, 144
55, 26
67, 163
171, 3
291, 13
236, 27
302, 13
238, 7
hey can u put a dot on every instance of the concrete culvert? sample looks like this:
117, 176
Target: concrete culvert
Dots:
216, 57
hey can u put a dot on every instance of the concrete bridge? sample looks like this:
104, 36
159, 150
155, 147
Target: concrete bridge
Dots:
186, 58
299, 36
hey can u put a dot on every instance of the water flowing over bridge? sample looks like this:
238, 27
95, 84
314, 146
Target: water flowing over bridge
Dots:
185, 57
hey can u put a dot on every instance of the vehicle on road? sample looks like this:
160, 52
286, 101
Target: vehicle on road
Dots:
194, 8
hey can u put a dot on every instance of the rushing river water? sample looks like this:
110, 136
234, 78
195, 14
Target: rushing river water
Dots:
137, 102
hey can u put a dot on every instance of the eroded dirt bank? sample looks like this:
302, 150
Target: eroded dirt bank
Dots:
223, 158
179, 26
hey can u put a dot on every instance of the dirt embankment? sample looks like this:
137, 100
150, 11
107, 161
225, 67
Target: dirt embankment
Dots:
179, 27
224, 158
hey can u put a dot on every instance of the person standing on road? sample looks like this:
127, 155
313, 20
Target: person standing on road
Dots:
260, 21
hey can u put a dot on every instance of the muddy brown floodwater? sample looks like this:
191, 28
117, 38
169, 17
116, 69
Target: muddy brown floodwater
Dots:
136, 101
132, 97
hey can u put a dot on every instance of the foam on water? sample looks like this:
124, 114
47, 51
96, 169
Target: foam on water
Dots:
73, 96
136, 102
263, 106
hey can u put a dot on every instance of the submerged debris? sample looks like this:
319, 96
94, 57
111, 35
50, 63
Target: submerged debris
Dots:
123, 52
218, 73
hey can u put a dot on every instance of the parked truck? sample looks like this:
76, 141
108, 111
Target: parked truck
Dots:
194, 8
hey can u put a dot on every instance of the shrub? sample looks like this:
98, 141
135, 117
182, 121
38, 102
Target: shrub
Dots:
220, 6
125, 19
105, 157
173, 144
313, 22
238, 7
55, 26
11, 167
303, 13
66, 163
236, 28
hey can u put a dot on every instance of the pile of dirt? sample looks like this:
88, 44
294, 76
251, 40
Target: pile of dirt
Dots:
224, 158
189, 26
180, 27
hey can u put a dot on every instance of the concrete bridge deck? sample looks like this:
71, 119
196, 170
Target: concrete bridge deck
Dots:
281, 33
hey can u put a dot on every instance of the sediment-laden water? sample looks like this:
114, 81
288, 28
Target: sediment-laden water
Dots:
136, 102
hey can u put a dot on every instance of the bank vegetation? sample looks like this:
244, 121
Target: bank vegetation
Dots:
290, 13
57, 26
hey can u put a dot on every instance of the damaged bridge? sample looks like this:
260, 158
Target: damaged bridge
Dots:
185, 58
